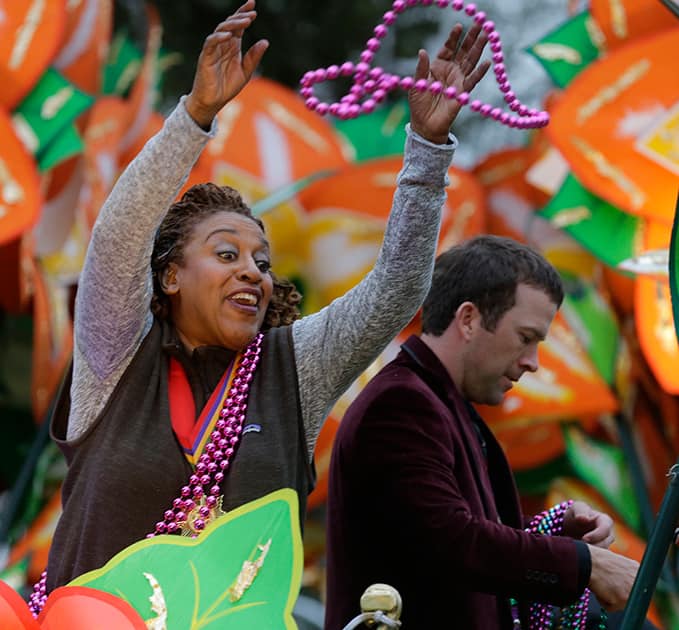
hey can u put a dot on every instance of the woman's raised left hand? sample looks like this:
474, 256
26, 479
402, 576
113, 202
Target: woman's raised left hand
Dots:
457, 65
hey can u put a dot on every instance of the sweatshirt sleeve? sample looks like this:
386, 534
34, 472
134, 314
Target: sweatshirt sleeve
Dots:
334, 345
112, 307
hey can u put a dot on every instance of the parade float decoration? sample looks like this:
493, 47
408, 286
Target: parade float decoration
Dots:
593, 190
245, 566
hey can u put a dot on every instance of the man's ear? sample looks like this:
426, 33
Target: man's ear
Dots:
168, 280
467, 319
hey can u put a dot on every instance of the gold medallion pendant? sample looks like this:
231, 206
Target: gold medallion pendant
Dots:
188, 526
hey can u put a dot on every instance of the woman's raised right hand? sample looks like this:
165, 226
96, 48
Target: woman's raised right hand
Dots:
223, 70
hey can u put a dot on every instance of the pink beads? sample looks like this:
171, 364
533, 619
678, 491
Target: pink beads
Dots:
550, 523
372, 85
204, 485
389, 18
368, 106
421, 85
407, 83
346, 68
39, 595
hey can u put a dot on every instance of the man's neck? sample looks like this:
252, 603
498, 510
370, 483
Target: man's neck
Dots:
444, 349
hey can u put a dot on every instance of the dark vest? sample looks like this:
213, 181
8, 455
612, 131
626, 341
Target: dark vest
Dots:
127, 468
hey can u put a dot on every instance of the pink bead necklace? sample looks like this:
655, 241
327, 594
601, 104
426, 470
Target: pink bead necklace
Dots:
200, 500
372, 84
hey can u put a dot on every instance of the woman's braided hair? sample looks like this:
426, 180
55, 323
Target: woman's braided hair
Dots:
197, 203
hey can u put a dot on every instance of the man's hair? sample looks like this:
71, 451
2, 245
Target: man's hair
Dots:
198, 203
485, 271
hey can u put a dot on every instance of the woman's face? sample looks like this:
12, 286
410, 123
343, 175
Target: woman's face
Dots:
220, 293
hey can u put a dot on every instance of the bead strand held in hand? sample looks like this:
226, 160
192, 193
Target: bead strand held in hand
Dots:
371, 84
541, 616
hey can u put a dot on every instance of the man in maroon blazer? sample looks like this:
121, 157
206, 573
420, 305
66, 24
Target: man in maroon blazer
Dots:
421, 496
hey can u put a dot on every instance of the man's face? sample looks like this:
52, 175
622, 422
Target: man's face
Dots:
494, 361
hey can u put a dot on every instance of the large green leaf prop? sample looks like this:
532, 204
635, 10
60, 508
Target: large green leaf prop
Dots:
610, 234
243, 571
568, 49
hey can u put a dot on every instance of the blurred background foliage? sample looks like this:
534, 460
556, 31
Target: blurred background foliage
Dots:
303, 34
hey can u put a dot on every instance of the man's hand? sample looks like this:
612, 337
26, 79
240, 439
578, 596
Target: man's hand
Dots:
612, 577
584, 523
222, 70
456, 65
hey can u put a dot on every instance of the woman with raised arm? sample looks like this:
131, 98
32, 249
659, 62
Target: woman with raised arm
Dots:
195, 388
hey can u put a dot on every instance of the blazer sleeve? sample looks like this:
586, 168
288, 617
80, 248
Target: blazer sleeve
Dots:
407, 446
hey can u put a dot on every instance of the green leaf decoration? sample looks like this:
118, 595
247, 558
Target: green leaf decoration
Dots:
567, 50
592, 319
378, 134
201, 583
167, 59
608, 233
50, 108
674, 269
287, 192
67, 144
536, 481
123, 66
15, 574
603, 466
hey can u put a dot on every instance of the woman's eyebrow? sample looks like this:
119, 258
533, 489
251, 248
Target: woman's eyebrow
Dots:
221, 229
263, 241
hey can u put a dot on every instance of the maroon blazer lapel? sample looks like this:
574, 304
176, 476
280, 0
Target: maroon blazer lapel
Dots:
430, 369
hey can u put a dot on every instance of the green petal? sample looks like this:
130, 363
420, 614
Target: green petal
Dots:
568, 49
50, 108
609, 233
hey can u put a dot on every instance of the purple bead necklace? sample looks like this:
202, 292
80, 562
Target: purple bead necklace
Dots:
541, 616
372, 84
200, 500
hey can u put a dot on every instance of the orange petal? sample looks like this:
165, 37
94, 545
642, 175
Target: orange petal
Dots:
30, 33
83, 608
14, 613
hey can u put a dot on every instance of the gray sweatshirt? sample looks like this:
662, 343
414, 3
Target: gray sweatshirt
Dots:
332, 347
